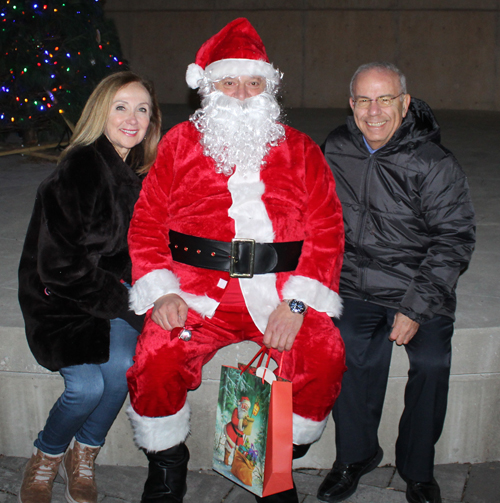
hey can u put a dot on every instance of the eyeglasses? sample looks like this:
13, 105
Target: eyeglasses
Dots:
383, 101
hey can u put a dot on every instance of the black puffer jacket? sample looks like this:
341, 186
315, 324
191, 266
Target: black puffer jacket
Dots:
75, 256
409, 220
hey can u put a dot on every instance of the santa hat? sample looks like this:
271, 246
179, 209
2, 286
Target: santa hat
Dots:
245, 399
236, 50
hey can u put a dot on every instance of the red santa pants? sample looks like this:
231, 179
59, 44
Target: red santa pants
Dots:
166, 369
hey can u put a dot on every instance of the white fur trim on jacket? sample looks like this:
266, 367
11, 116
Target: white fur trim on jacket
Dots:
307, 431
159, 433
155, 284
151, 287
252, 221
313, 294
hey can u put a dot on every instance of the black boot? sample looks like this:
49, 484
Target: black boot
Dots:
300, 450
167, 473
291, 495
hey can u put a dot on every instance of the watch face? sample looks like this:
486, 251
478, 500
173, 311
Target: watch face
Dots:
296, 306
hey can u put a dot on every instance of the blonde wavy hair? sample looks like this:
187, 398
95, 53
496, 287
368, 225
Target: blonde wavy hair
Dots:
92, 122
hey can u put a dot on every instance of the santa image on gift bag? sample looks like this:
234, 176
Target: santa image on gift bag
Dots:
240, 423
241, 427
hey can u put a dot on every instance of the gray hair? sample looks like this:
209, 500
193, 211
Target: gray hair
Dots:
381, 66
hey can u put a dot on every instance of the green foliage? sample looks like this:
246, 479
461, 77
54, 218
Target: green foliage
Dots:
53, 54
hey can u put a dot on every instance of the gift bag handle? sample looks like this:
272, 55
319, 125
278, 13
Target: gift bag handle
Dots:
262, 352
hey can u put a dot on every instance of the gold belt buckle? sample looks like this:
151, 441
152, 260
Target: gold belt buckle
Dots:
235, 244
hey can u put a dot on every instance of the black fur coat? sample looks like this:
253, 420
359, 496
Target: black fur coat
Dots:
75, 254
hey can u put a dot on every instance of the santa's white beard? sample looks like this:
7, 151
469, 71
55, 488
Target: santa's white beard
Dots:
242, 412
238, 134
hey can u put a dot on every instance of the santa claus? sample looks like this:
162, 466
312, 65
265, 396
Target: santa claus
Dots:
236, 427
238, 233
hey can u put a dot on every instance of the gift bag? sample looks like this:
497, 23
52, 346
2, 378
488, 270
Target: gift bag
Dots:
253, 430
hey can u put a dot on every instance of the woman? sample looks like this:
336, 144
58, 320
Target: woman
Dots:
74, 277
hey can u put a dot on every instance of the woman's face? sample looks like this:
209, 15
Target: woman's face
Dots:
128, 119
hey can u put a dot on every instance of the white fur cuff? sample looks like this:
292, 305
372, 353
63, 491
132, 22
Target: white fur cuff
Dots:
314, 294
151, 287
159, 433
307, 431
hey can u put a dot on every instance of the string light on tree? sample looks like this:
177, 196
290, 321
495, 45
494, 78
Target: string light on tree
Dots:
53, 54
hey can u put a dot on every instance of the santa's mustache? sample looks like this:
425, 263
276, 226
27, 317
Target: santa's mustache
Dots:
218, 104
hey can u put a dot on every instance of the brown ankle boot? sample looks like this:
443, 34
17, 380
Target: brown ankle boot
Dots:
38, 479
77, 470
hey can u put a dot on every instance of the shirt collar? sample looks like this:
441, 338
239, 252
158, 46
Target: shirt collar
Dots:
371, 150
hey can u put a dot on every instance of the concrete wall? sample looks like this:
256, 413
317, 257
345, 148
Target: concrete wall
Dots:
449, 49
27, 391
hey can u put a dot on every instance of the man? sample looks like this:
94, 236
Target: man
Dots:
238, 229
409, 227
235, 428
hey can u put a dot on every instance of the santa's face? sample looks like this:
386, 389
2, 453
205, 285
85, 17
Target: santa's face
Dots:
243, 409
241, 87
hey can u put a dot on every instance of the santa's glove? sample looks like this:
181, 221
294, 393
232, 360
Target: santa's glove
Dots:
136, 321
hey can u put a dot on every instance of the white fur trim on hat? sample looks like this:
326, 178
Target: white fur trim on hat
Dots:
159, 433
307, 431
231, 68
235, 67
314, 294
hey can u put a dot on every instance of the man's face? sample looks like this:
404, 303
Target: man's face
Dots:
241, 87
377, 123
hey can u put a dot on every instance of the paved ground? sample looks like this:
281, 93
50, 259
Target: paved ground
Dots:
467, 483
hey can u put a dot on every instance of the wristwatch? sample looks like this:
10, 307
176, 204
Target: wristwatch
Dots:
297, 306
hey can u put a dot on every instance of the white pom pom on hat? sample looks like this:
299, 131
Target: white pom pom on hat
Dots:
236, 50
194, 74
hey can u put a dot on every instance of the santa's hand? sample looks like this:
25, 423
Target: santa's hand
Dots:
170, 311
282, 328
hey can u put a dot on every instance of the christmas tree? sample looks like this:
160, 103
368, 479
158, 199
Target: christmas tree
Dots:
52, 55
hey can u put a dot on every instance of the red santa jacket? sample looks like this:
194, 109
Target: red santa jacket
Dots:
292, 198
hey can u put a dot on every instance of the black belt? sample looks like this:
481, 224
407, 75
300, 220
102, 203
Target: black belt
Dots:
238, 434
241, 257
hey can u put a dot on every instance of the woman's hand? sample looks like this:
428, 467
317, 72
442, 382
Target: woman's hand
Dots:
170, 311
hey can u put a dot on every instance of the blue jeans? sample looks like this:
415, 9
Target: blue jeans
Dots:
93, 396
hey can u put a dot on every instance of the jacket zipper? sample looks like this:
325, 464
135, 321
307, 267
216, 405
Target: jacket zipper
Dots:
362, 221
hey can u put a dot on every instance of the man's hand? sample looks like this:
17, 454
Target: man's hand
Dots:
282, 328
170, 311
403, 329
